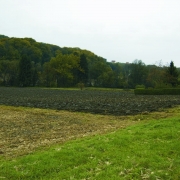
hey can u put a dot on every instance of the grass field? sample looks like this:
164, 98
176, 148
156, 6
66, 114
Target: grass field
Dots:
49, 144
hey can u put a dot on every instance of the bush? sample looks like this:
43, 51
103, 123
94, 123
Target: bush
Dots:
140, 87
168, 91
81, 85
163, 86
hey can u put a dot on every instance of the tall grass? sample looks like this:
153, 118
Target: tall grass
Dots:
148, 150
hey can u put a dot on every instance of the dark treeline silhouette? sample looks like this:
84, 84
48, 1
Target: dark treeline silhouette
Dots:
25, 62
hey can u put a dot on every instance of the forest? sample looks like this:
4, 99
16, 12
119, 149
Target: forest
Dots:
27, 63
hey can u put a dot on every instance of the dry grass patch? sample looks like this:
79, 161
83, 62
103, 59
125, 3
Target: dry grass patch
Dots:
23, 130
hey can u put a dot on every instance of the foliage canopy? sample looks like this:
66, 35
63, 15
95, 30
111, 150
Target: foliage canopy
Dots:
25, 62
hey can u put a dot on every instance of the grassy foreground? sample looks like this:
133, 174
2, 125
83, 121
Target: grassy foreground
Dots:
147, 150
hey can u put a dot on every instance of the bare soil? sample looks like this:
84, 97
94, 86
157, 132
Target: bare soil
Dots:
97, 102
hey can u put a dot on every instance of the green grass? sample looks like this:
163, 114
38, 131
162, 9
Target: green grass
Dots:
88, 88
147, 150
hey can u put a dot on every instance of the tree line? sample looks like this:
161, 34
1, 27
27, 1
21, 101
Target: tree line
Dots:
25, 62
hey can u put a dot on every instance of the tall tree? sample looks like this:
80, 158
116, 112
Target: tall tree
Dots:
118, 76
107, 78
3, 36
83, 71
48, 75
156, 77
13, 72
138, 73
25, 71
61, 68
9, 72
4, 71
34, 72
172, 74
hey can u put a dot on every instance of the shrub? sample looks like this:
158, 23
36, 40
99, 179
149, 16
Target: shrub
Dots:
140, 86
167, 91
81, 85
163, 85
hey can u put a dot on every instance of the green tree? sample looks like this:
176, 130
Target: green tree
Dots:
172, 74
61, 69
35, 75
117, 75
3, 36
9, 72
2, 51
156, 76
101, 74
83, 70
13, 72
107, 78
25, 71
48, 75
126, 75
4, 71
138, 73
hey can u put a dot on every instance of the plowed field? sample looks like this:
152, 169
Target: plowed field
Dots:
98, 102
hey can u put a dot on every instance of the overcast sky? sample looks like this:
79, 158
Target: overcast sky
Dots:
121, 30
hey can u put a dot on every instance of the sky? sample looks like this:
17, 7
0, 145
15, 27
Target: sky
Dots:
120, 30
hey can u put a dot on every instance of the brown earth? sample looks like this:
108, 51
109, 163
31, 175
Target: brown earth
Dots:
97, 102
